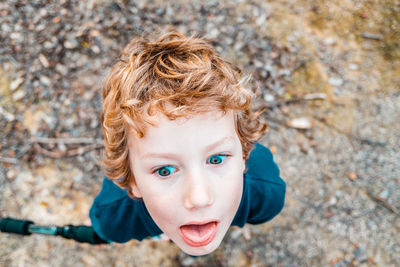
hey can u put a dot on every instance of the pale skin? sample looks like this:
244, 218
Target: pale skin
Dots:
189, 173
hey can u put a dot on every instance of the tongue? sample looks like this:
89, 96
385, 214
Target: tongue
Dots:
198, 233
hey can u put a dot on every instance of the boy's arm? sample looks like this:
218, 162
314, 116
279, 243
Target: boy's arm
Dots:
264, 190
117, 217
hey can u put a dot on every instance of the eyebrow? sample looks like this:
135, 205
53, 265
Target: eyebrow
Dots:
173, 156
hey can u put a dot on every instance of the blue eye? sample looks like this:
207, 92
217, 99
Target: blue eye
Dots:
166, 170
216, 159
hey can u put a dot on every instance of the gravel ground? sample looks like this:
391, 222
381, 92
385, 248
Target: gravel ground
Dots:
326, 71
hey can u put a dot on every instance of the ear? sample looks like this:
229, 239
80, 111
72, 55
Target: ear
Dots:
136, 191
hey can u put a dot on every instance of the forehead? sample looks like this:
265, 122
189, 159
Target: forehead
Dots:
194, 132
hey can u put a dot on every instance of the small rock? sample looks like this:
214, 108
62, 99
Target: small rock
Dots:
258, 64
43, 59
62, 147
19, 95
62, 69
315, 96
71, 44
269, 98
48, 45
96, 49
45, 80
353, 67
261, 20
360, 254
160, 11
238, 46
236, 233
94, 124
303, 147
17, 36
11, 174
300, 123
213, 33
7, 115
40, 27
188, 261
284, 72
285, 110
16, 83
43, 12
335, 81
329, 41
5, 28
94, 33
384, 195
246, 233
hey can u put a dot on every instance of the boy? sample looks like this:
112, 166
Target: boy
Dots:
181, 156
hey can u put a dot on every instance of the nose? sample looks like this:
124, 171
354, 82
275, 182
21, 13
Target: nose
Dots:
198, 191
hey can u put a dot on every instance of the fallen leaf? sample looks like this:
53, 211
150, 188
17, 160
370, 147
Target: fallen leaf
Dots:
56, 20
44, 204
352, 176
85, 44
287, 96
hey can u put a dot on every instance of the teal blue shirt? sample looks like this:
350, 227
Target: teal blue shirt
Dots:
118, 218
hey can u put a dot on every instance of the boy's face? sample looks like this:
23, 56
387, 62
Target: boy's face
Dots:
189, 173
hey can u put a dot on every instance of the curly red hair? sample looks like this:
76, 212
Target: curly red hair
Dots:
174, 70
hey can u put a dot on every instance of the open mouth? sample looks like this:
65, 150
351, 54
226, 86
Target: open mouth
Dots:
199, 234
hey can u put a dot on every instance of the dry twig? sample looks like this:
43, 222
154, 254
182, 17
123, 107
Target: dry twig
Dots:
9, 160
69, 153
308, 97
47, 140
383, 203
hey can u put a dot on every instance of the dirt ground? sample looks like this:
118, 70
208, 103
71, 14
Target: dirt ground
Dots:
328, 73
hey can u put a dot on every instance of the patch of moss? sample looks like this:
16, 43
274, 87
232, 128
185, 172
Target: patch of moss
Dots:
380, 18
391, 29
309, 78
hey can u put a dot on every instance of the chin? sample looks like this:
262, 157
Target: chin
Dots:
200, 251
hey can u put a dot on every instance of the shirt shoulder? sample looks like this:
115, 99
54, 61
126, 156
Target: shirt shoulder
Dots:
265, 189
117, 217
262, 167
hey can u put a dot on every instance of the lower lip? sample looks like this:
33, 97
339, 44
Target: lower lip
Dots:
200, 241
